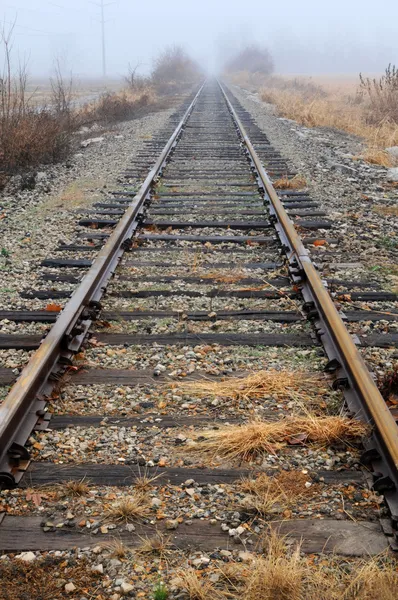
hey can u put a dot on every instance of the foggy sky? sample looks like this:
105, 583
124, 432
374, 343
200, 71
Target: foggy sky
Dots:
305, 36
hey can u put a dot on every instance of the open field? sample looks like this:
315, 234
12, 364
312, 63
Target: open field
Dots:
368, 111
84, 90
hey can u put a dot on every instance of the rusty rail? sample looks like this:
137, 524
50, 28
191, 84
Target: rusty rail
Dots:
26, 401
345, 361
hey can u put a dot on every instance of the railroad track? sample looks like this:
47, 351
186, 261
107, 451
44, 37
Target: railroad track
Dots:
202, 278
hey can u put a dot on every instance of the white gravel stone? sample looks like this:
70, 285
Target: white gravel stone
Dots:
392, 151
392, 175
27, 556
98, 568
126, 587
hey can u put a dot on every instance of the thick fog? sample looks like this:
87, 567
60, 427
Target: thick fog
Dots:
308, 37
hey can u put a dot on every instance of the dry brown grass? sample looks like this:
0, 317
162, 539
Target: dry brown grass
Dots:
197, 588
144, 482
130, 508
75, 489
274, 495
40, 580
280, 572
266, 496
80, 192
375, 580
380, 96
31, 139
315, 111
276, 576
375, 156
30, 136
157, 545
297, 182
336, 106
232, 277
119, 106
117, 548
278, 384
387, 210
258, 437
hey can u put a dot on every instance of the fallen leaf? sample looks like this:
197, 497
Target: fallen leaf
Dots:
298, 439
319, 242
53, 307
35, 497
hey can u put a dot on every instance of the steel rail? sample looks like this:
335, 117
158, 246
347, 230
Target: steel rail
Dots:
25, 402
358, 374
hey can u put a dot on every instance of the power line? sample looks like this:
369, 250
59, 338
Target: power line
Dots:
29, 28
35, 10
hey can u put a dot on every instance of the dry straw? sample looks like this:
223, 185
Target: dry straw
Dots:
157, 545
280, 384
276, 576
296, 183
197, 588
265, 495
129, 508
257, 437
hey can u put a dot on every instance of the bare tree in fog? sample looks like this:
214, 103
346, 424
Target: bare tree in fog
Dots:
253, 59
174, 65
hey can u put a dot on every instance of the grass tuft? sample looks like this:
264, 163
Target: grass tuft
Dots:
130, 508
144, 482
266, 496
375, 156
270, 495
279, 384
75, 489
117, 549
296, 183
373, 580
258, 437
197, 588
160, 592
276, 576
280, 572
158, 545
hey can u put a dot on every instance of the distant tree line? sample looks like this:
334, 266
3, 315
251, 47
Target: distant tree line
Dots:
252, 59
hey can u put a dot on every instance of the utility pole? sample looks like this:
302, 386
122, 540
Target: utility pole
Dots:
103, 39
101, 5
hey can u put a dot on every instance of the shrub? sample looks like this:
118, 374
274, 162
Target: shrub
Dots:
30, 135
30, 139
136, 82
381, 96
174, 67
120, 106
254, 59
